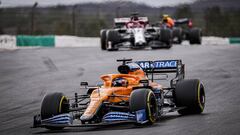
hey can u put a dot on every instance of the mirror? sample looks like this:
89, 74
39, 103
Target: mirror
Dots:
144, 82
84, 83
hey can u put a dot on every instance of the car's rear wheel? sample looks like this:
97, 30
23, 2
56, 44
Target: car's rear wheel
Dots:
195, 36
54, 104
177, 34
144, 99
190, 95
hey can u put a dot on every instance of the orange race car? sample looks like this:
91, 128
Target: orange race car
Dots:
132, 95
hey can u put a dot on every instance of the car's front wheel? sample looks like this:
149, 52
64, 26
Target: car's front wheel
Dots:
103, 39
166, 37
54, 104
113, 38
190, 95
144, 99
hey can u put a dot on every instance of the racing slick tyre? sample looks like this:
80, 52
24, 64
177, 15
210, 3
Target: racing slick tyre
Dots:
113, 38
190, 95
155, 47
166, 37
144, 99
54, 104
103, 39
195, 36
178, 35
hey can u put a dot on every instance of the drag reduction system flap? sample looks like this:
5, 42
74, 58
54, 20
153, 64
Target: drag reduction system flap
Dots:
128, 19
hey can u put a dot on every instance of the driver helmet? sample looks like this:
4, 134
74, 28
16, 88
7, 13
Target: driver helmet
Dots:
165, 17
120, 82
134, 17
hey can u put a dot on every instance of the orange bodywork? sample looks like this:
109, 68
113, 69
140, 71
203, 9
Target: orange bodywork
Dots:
108, 93
170, 22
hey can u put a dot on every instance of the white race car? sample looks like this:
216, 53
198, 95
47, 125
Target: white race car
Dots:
135, 33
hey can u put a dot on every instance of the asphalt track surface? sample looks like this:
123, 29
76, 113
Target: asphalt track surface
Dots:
26, 75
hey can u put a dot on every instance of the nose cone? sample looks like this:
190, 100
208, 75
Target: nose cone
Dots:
85, 118
139, 37
140, 43
91, 109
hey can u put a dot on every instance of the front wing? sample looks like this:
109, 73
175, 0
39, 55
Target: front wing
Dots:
111, 118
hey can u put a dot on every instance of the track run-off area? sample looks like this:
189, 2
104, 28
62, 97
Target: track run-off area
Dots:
26, 75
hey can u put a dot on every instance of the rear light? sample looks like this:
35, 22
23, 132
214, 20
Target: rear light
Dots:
190, 24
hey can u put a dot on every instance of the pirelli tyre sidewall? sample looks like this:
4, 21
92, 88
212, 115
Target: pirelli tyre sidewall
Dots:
103, 39
144, 99
166, 37
190, 94
195, 36
178, 34
54, 104
113, 38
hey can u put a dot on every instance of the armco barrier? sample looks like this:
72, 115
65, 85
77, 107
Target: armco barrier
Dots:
13, 42
7, 42
74, 41
211, 40
43, 41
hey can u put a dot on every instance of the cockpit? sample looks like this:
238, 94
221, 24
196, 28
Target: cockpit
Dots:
119, 82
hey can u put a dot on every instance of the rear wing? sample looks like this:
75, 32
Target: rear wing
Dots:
122, 21
183, 21
163, 66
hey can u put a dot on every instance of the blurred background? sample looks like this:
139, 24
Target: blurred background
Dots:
86, 18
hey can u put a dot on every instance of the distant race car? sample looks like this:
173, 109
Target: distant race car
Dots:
184, 30
135, 34
132, 95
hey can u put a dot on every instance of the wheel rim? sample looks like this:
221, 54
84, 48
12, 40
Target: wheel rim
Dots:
152, 109
201, 96
63, 106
